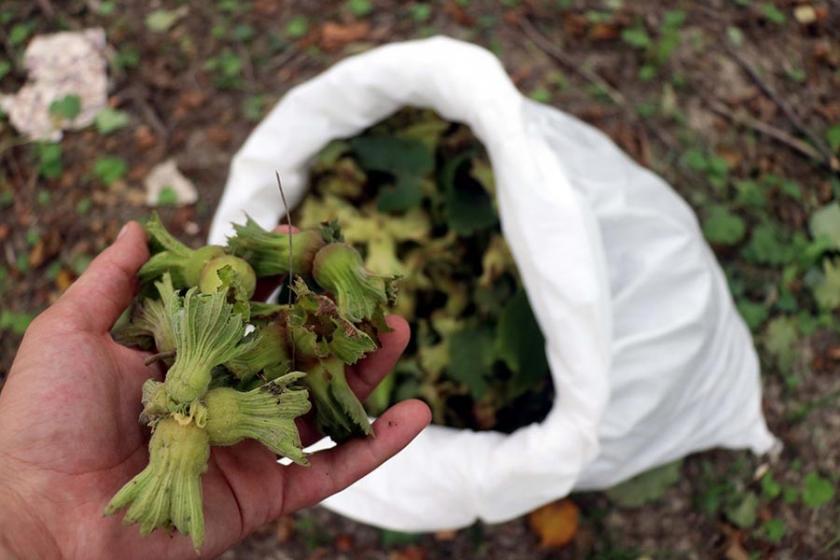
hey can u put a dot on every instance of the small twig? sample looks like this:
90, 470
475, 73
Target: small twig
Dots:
772, 132
158, 357
791, 116
148, 112
291, 261
247, 66
551, 50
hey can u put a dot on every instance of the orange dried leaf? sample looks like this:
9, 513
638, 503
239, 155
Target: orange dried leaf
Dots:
335, 36
63, 280
556, 524
284, 529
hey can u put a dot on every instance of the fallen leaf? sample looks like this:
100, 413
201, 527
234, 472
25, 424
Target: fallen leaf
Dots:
36, 255
458, 14
446, 535
734, 551
334, 36
63, 280
219, 135
556, 524
604, 31
413, 552
284, 529
266, 7
344, 543
189, 100
143, 138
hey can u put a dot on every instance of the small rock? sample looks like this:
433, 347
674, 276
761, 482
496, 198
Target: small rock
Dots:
60, 65
805, 14
191, 228
166, 181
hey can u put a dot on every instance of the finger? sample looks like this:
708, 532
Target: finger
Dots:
333, 470
266, 285
366, 375
96, 300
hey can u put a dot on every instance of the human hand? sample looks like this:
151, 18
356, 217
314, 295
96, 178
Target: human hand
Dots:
70, 436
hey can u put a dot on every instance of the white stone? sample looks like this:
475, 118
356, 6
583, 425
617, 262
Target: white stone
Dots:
58, 65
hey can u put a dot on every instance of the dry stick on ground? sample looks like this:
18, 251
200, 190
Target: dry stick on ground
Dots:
825, 155
590, 76
557, 54
767, 130
138, 96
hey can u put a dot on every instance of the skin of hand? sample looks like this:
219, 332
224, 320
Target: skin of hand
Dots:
70, 437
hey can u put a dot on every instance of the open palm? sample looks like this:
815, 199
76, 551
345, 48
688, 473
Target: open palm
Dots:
70, 438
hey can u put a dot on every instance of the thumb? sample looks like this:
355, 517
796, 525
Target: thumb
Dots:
95, 301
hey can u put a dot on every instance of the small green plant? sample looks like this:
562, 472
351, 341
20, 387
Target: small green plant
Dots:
19, 33
109, 169
66, 108
49, 160
13, 322
297, 27
772, 14
816, 490
83, 206
420, 12
774, 530
359, 8
160, 20
109, 120
226, 68
723, 227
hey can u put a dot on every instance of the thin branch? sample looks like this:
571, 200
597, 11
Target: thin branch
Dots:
774, 133
791, 116
138, 97
542, 42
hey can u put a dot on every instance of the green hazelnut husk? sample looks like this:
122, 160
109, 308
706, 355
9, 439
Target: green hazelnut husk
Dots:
338, 412
268, 252
268, 354
208, 333
168, 491
338, 268
212, 278
194, 266
266, 414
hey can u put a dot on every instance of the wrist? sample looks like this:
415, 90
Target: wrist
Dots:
22, 533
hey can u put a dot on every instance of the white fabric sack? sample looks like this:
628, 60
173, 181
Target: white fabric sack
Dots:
649, 358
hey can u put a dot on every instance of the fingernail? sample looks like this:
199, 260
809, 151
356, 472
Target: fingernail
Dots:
122, 231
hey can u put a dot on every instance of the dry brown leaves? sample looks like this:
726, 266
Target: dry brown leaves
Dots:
412, 552
335, 36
